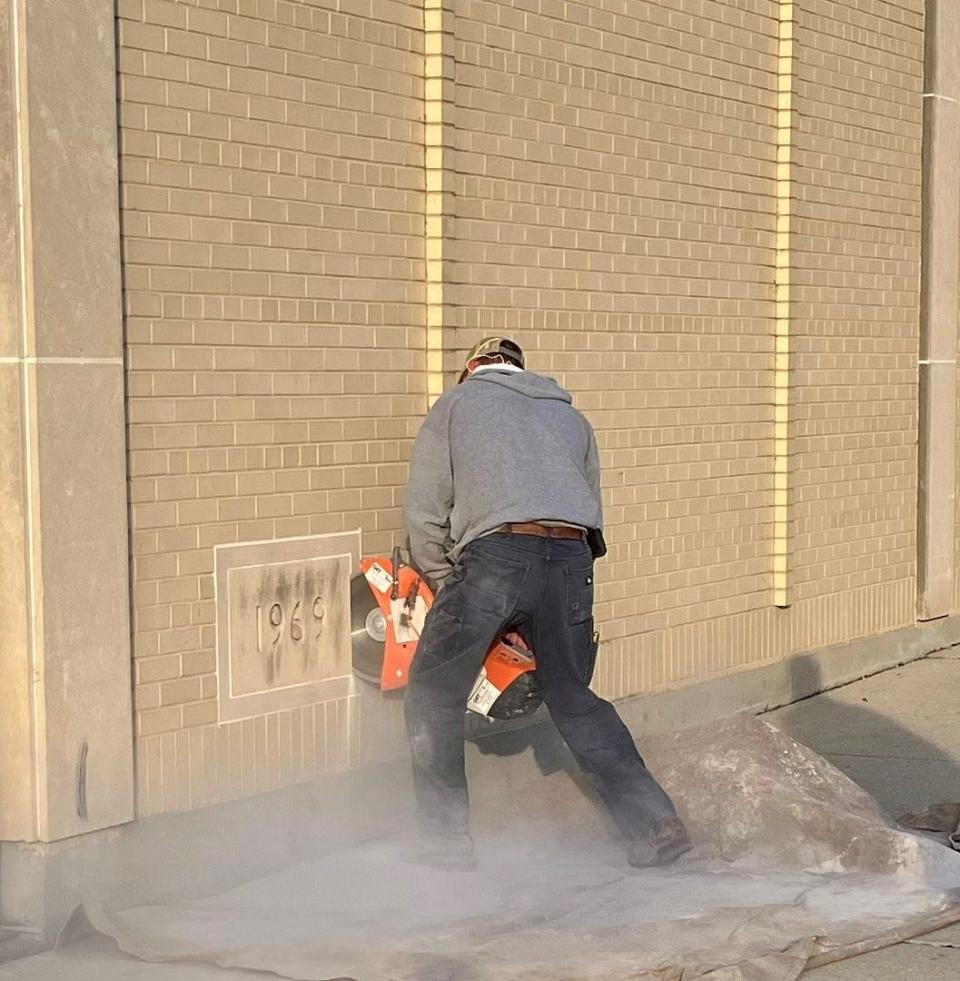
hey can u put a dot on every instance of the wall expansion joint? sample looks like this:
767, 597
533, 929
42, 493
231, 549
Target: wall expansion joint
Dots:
781, 377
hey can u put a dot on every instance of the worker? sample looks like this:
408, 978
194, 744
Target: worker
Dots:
503, 500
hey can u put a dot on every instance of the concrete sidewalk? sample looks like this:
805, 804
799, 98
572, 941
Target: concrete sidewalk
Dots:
897, 734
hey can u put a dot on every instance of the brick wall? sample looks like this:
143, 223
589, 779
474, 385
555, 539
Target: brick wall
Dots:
613, 206
615, 210
856, 280
272, 196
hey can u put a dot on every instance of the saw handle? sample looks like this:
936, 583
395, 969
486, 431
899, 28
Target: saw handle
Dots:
395, 562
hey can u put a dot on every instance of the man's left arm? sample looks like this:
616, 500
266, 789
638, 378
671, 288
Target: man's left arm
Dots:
429, 499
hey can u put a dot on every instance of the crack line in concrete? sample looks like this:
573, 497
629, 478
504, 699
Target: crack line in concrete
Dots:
888, 756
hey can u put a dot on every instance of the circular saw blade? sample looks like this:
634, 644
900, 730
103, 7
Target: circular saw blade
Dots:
521, 698
368, 632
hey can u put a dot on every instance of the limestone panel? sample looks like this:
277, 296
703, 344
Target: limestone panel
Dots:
942, 38
87, 728
9, 260
938, 390
938, 370
66, 654
72, 161
942, 232
16, 721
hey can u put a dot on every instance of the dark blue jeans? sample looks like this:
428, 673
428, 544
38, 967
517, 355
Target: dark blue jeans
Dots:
543, 588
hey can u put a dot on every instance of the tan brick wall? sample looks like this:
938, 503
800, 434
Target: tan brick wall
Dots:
615, 210
613, 180
272, 195
856, 278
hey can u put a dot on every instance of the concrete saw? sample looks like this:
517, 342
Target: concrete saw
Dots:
389, 603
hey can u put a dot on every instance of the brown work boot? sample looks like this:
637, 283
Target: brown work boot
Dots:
663, 846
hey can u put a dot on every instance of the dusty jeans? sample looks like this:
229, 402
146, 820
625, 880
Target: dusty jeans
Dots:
543, 588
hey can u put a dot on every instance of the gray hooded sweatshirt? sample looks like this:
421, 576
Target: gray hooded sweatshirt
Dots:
501, 447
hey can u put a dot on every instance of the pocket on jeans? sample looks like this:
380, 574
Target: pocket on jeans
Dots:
584, 644
491, 583
578, 601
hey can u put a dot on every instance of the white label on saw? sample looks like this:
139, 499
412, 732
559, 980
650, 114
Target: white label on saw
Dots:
379, 578
484, 694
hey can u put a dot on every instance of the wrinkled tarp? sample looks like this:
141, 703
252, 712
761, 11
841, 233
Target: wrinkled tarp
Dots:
794, 864
941, 821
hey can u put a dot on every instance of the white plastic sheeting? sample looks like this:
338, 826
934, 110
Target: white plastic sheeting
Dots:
793, 862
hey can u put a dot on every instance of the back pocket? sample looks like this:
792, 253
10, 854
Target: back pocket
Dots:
491, 583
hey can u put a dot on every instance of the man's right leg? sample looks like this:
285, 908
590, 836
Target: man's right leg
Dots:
441, 677
467, 616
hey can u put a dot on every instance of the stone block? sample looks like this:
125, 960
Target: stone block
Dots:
283, 623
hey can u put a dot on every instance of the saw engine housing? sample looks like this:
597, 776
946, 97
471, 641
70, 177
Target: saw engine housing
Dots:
389, 602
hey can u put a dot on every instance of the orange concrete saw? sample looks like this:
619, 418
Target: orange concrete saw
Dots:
389, 604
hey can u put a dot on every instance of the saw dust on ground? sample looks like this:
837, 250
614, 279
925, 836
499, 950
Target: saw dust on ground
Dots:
793, 862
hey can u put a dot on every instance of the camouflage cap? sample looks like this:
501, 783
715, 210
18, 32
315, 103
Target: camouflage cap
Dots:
491, 347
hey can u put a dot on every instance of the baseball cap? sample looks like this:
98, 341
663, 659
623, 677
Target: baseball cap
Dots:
490, 347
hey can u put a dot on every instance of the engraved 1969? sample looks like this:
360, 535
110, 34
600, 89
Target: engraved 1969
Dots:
273, 624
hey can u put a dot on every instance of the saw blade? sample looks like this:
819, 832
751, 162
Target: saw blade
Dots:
368, 632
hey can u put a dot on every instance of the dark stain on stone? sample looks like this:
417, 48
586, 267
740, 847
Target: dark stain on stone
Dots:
82, 780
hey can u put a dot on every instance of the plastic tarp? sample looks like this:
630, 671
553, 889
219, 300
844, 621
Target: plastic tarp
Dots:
794, 865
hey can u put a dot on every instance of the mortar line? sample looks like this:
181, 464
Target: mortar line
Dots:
33, 360
889, 756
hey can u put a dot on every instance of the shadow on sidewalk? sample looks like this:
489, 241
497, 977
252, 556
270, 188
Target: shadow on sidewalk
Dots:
900, 769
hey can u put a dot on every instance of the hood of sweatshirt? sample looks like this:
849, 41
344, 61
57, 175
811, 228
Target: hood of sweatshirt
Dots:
522, 382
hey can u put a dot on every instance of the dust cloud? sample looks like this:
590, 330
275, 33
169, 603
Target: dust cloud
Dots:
792, 861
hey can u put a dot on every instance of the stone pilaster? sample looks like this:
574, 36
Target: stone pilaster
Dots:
938, 311
65, 706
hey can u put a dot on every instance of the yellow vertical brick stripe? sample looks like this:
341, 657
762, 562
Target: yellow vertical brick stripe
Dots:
437, 71
785, 123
